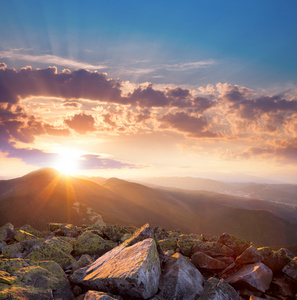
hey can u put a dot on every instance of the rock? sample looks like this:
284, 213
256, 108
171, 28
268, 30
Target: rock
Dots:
204, 261
179, 280
291, 269
254, 276
265, 251
132, 271
24, 236
84, 260
12, 251
186, 243
160, 233
174, 234
215, 289
6, 278
125, 237
55, 249
278, 260
256, 298
236, 244
63, 229
212, 249
31, 230
250, 255
34, 280
141, 234
92, 244
7, 233
168, 244
94, 295
112, 232
284, 286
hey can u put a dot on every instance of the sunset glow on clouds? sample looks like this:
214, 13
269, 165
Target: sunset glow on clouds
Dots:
136, 123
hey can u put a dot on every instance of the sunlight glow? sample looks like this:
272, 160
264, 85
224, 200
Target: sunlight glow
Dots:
67, 161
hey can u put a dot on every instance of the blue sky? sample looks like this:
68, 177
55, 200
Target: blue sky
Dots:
145, 88
245, 42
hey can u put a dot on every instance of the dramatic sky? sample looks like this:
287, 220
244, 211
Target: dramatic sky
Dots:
204, 88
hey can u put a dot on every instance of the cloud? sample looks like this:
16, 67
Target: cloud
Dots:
16, 54
81, 123
190, 65
193, 126
92, 161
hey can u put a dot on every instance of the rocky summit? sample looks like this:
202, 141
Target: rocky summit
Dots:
123, 262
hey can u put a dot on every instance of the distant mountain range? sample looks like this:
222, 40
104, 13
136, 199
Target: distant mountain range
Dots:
47, 196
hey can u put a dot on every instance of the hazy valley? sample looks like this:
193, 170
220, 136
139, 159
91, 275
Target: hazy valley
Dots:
211, 208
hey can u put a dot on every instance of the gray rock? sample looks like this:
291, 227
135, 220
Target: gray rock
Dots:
132, 271
278, 260
94, 295
291, 269
83, 261
215, 289
254, 276
212, 249
204, 261
180, 280
250, 255
236, 244
186, 243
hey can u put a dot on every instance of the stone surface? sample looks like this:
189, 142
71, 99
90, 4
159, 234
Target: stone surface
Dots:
215, 289
278, 260
34, 280
55, 249
168, 244
204, 261
92, 244
291, 269
236, 244
94, 295
253, 276
265, 251
83, 261
22, 235
212, 249
180, 279
132, 271
250, 255
12, 251
283, 286
32, 230
186, 243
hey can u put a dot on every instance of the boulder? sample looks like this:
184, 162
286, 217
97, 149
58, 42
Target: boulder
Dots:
63, 229
144, 232
186, 243
92, 244
168, 244
94, 295
83, 261
112, 232
212, 249
215, 289
283, 286
131, 271
250, 255
12, 251
180, 279
265, 251
22, 235
55, 249
160, 233
203, 261
236, 244
32, 230
256, 277
7, 233
34, 280
291, 269
278, 260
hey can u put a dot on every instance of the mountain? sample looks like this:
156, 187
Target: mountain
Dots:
47, 196
282, 193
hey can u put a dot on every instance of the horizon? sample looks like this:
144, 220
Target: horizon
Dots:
140, 90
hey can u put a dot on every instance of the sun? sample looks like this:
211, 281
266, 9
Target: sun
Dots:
67, 161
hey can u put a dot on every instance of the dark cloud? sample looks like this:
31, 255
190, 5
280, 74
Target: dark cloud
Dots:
84, 84
81, 123
193, 126
91, 161
74, 104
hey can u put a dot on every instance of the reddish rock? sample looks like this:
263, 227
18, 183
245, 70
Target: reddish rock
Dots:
186, 243
203, 261
278, 260
291, 269
254, 276
236, 244
212, 249
249, 256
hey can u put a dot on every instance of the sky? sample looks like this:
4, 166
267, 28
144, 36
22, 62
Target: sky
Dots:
131, 89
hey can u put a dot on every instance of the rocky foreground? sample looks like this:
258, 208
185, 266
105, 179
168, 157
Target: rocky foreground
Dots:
113, 262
